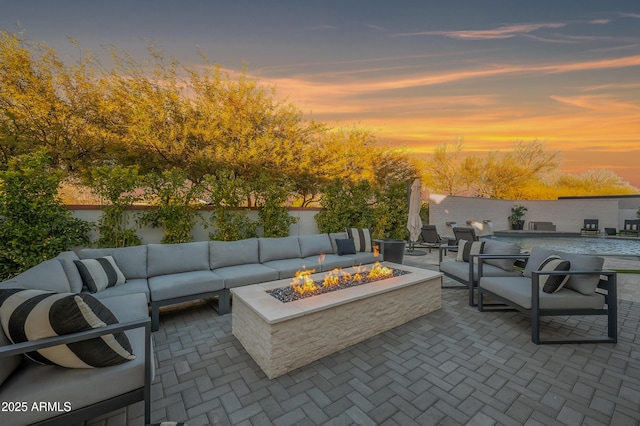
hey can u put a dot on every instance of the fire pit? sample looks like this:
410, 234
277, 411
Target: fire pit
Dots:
284, 336
303, 285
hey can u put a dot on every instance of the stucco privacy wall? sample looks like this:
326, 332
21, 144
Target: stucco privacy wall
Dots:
306, 224
567, 214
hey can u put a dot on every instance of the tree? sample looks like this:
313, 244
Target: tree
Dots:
34, 224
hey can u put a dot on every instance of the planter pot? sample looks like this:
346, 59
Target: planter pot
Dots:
392, 250
517, 226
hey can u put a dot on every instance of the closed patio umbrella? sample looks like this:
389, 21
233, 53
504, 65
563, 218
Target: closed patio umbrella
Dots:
414, 223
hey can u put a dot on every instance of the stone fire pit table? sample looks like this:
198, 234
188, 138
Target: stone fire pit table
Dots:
284, 336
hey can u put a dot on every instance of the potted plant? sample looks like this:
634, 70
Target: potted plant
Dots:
515, 219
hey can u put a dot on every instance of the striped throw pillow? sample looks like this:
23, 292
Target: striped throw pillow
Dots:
99, 274
467, 248
553, 283
361, 238
28, 315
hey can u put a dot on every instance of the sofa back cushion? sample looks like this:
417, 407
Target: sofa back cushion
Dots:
232, 253
585, 284
278, 248
132, 261
333, 236
66, 259
314, 245
48, 275
165, 259
500, 247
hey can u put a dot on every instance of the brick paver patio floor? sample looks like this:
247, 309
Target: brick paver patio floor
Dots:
454, 366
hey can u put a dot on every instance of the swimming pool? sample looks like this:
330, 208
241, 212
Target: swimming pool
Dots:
584, 245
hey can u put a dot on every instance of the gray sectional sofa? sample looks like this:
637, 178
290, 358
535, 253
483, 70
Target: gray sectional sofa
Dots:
156, 275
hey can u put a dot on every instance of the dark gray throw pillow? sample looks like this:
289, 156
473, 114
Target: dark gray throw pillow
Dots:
346, 246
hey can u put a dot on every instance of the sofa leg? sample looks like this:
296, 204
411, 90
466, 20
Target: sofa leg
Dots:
155, 317
224, 305
535, 328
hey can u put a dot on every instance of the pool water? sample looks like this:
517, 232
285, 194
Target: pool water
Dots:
583, 245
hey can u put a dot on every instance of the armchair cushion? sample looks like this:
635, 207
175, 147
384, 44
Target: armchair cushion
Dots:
537, 256
496, 247
584, 284
28, 315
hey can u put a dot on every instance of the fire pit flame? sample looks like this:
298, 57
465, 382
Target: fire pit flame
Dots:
302, 283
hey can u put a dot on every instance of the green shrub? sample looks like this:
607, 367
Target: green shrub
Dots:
117, 185
273, 214
34, 224
391, 211
173, 202
226, 192
346, 204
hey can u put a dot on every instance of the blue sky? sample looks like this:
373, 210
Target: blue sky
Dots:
420, 73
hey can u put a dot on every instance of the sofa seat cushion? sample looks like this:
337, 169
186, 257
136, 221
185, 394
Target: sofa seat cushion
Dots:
132, 261
278, 248
317, 244
166, 259
332, 261
287, 268
231, 253
28, 315
460, 270
135, 285
34, 383
172, 286
518, 290
362, 258
239, 275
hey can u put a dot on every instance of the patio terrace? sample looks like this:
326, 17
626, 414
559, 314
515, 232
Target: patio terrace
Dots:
453, 366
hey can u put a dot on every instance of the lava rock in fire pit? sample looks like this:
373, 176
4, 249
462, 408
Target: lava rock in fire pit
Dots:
288, 294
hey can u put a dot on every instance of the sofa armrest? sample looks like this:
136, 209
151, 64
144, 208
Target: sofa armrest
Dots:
24, 347
442, 250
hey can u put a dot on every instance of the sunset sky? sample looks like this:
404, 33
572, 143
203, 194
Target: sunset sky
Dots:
420, 73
